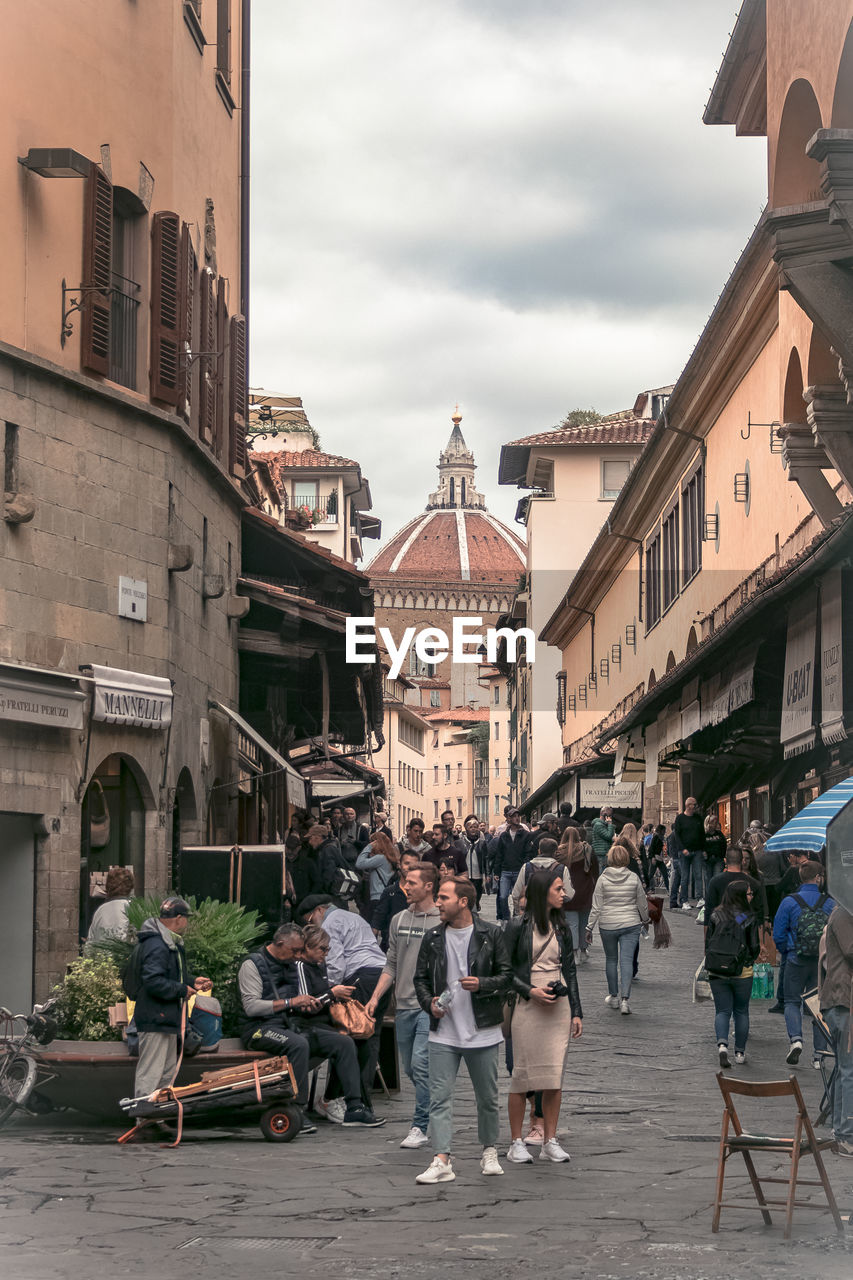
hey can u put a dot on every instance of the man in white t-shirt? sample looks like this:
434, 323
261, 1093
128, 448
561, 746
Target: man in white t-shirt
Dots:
461, 979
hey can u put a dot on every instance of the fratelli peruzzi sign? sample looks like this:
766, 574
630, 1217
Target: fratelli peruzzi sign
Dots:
27, 699
131, 698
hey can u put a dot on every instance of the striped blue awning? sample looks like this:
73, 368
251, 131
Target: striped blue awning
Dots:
808, 829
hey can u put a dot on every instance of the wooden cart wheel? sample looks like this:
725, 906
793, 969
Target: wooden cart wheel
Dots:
281, 1124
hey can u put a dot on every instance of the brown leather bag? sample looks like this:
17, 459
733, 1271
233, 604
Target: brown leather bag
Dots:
351, 1017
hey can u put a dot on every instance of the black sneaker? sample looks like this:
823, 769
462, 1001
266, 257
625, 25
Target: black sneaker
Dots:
306, 1127
724, 1056
776, 1008
361, 1118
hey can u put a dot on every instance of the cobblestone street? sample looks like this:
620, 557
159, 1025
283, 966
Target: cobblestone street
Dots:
641, 1118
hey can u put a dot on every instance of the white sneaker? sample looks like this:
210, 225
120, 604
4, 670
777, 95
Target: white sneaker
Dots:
489, 1163
686, 907
624, 1007
439, 1171
793, 1055
613, 1001
551, 1150
415, 1138
740, 1058
518, 1153
332, 1111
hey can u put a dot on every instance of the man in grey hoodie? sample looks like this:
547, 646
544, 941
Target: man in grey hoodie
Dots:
412, 1023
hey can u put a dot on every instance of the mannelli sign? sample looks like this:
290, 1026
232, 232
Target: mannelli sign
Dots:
132, 698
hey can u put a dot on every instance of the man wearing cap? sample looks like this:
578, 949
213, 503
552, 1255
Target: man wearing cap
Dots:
165, 984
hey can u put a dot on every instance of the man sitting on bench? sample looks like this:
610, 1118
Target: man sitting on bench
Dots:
265, 1024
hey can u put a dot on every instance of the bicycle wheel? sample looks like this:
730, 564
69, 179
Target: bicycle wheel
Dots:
17, 1077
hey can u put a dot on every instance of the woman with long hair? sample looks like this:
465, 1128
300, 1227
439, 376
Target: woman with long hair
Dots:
620, 909
627, 838
732, 944
578, 857
379, 860
547, 1016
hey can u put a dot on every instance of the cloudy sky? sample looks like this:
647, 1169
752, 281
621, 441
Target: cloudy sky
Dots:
512, 204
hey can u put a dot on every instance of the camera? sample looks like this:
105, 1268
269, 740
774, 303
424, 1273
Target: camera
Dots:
557, 988
325, 999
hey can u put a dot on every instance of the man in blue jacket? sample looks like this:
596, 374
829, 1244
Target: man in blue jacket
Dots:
800, 945
166, 984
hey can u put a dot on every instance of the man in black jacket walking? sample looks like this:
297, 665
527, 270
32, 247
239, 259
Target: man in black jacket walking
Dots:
461, 978
165, 985
510, 854
690, 830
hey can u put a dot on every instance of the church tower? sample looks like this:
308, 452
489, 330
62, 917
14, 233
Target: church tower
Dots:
456, 467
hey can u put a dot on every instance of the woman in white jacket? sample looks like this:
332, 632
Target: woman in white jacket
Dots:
620, 910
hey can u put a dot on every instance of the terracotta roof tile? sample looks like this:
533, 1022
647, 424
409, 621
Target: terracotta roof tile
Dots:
618, 428
283, 459
462, 715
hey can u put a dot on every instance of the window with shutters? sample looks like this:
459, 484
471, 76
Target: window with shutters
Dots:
207, 357
126, 290
653, 581
238, 395
111, 294
562, 678
218, 366
692, 522
669, 553
165, 307
192, 18
223, 52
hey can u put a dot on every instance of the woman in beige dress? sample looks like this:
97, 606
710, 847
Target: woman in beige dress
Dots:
547, 1014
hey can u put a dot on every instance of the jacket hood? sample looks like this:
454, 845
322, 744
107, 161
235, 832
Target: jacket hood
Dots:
152, 927
619, 874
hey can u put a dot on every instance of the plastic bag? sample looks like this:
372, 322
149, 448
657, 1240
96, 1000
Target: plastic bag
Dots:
701, 985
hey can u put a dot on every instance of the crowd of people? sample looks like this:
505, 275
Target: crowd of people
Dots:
371, 918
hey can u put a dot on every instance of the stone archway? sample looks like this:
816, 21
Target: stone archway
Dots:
796, 177
112, 829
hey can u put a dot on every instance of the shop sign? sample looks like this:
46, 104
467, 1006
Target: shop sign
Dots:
31, 701
132, 698
832, 687
798, 732
598, 793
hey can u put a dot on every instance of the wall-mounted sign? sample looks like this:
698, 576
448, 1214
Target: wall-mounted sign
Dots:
798, 732
28, 698
132, 697
832, 689
133, 599
598, 792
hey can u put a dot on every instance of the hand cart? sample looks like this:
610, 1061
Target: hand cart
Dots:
261, 1090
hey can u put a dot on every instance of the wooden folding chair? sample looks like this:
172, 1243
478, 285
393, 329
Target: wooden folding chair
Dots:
803, 1143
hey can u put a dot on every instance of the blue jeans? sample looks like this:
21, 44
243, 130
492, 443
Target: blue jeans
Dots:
412, 1027
731, 999
842, 1111
675, 883
482, 1067
800, 976
576, 920
620, 946
710, 867
507, 880
689, 867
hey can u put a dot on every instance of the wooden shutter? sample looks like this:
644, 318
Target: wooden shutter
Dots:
219, 364
207, 363
97, 272
237, 397
185, 322
165, 308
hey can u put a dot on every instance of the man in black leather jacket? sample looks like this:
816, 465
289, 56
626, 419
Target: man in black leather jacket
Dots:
461, 980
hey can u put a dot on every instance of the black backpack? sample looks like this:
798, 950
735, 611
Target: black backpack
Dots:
810, 926
725, 950
131, 973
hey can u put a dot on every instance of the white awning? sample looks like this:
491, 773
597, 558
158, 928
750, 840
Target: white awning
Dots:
295, 781
131, 697
40, 695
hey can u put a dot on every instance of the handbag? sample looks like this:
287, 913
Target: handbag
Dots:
701, 985
99, 817
352, 1017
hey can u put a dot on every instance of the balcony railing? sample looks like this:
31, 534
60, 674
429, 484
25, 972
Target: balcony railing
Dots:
323, 510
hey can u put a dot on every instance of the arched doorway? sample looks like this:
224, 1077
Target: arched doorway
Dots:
184, 816
112, 830
796, 177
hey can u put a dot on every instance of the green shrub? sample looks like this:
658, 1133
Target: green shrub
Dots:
218, 938
91, 985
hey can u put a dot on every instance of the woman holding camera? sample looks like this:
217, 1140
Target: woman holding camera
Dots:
544, 1020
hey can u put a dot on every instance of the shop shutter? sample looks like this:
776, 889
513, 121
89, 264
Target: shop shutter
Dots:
207, 362
165, 308
186, 303
97, 272
237, 397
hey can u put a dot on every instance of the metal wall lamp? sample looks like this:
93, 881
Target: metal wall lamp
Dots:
712, 526
616, 654
582, 693
56, 162
572, 702
741, 487
604, 668
631, 635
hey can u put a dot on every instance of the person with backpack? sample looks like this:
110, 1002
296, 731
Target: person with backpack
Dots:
732, 944
797, 931
158, 979
546, 856
338, 877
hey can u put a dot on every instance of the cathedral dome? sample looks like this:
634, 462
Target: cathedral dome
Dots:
455, 540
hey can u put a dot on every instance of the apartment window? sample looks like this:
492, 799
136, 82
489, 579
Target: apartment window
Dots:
446, 805
223, 51
653, 583
435, 774
497, 731
458, 770
497, 767
614, 473
447, 773
435, 740
459, 806
400, 774
692, 521
497, 804
497, 695
669, 553
561, 697
435, 808
434, 698
305, 494
412, 735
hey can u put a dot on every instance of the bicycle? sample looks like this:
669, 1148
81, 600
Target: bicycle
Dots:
19, 1069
